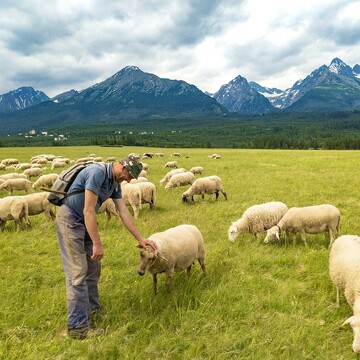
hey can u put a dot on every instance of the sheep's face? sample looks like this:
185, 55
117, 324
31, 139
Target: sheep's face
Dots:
147, 258
272, 235
354, 322
233, 233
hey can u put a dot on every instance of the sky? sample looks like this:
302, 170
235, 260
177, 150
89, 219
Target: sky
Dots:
58, 45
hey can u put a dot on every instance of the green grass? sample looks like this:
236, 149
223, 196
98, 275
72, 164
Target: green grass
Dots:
257, 302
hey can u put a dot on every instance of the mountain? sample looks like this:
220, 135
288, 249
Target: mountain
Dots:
130, 94
64, 96
21, 98
239, 97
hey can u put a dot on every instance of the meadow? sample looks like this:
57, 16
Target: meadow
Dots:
258, 301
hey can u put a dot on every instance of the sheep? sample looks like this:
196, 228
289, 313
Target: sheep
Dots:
132, 196
344, 269
257, 218
33, 172
110, 159
197, 170
23, 166
206, 185
181, 179
108, 207
176, 154
177, 249
135, 181
10, 161
171, 164
309, 219
14, 208
148, 193
38, 203
58, 165
2, 166
159, 154
17, 184
45, 180
13, 176
167, 177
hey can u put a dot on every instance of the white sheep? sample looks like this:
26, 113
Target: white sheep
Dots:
181, 179
171, 164
58, 165
32, 172
172, 172
38, 203
46, 180
10, 161
206, 185
307, 220
132, 196
14, 208
197, 170
257, 218
135, 181
13, 176
148, 193
177, 249
344, 269
108, 207
17, 184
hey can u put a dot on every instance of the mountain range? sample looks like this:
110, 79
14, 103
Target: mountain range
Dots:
132, 94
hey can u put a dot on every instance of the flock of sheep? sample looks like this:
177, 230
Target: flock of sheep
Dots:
179, 247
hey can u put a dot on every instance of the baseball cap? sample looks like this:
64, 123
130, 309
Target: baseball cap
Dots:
132, 165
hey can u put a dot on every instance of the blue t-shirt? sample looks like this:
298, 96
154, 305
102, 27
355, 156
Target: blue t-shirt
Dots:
97, 180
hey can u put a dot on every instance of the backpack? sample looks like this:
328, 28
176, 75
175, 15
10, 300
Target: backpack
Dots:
64, 181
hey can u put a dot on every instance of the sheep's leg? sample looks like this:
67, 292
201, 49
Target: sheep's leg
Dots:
225, 195
303, 237
202, 264
216, 195
188, 270
2, 224
169, 275
155, 284
337, 296
331, 235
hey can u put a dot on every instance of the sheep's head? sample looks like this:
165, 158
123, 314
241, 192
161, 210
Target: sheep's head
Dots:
272, 235
148, 256
233, 233
354, 322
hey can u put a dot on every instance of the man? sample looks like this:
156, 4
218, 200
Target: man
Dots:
80, 244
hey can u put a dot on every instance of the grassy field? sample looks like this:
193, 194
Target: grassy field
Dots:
257, 302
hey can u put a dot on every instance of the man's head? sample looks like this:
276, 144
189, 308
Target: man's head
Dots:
132, 165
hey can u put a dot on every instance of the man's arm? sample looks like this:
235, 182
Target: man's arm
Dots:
130, 224
91, 224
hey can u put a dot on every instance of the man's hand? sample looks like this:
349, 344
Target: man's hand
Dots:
143, 243
98, 252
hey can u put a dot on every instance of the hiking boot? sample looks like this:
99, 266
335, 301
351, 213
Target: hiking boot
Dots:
86, 332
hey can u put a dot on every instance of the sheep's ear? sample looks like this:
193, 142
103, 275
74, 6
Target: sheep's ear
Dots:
347, 321
160, 255
139, 246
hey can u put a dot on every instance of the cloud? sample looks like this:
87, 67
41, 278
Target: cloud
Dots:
58, 45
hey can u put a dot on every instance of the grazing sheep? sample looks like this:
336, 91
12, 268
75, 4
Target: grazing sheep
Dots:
167, 177
159, 154
23, 166
58, 165
148, 193
132, 196
197, 170
177, 154
344, 269
45, 180
12, 176
177, 249
38, 203
145, 166
181, 179
258, 218
206, 185
2, 166
33, 172
109, 208
307, 220
110, 159
135, 181
17, 184
171, 164
14, 208
10, 161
